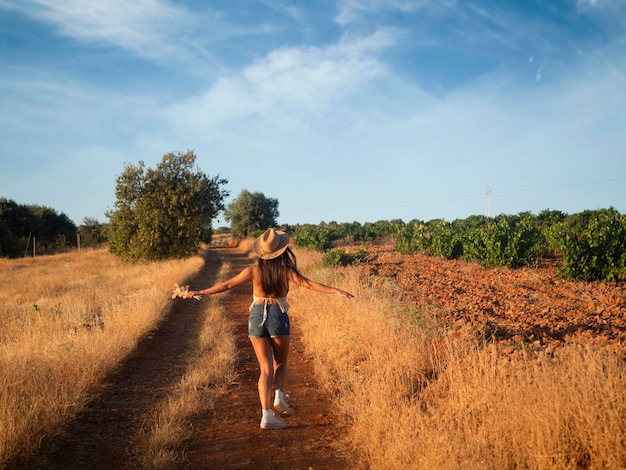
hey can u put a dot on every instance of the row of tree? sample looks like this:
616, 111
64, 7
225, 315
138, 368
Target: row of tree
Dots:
19, 223
167, 211
24, 227
159, 213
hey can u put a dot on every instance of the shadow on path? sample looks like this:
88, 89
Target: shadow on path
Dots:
98, 437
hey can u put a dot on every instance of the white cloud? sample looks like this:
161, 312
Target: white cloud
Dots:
284, 7
610, 14
144, 27
290, 86
351, 10
539, 72
582, 4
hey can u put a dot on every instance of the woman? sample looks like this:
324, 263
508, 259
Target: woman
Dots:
268, 322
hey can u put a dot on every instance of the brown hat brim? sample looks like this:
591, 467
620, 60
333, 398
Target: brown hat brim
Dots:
281, 242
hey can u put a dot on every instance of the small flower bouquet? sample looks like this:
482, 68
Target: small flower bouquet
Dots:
181, 291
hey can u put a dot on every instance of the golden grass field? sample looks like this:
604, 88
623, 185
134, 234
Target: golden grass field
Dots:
66, 321
414, 395
417, 397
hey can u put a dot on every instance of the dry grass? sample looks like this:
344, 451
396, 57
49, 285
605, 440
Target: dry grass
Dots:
160, 445
415, 396
66, 320
419, 397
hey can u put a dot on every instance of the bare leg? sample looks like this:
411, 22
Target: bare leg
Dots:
280, 346
263, 350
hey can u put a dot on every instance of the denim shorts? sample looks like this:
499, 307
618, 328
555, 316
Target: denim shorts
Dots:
277, 323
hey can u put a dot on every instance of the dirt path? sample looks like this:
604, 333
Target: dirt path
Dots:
229, 437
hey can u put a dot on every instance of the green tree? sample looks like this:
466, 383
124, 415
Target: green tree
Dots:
92, 233
315, 237
12, 221
19, 223
53, 231
164, 213
250, 213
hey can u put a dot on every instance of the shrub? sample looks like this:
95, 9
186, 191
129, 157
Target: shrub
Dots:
410, 238
339, 257
313, 237
598, 252
513, 241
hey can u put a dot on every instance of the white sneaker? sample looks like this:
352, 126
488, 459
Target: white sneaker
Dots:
273, 422
280, 406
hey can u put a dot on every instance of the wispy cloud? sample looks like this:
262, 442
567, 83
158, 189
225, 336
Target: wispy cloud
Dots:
610, 14
284, 7
291, 83
65, 113
145, 27
352, 10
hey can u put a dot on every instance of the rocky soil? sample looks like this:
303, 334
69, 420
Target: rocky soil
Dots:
534, 306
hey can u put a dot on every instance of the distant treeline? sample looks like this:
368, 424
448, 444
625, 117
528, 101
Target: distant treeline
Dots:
591, 244
22, 225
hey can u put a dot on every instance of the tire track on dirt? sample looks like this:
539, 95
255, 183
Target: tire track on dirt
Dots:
99, 436
229, 437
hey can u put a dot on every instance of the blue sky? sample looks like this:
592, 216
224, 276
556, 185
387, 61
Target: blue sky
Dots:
348, 110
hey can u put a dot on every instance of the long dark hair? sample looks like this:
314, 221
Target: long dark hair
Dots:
275, 273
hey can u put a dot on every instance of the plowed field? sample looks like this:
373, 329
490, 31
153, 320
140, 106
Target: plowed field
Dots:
526, 305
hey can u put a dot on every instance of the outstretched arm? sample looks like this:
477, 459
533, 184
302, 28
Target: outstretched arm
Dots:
316, 286
241, 278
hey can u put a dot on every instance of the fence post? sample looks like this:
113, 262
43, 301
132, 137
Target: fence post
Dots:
27, 244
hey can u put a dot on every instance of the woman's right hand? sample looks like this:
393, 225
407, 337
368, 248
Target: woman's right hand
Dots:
343, 293
191, 294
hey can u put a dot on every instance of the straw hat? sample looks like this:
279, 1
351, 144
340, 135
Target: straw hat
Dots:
271, 244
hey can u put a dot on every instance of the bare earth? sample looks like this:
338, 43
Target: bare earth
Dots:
530, 306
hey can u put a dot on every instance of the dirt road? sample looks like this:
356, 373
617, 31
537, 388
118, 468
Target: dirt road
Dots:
227, 438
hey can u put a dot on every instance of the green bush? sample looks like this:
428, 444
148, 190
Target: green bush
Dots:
474, 243
597, 251
410, 238
504, 241
513, 241
444, 241
339, 257
313, 237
